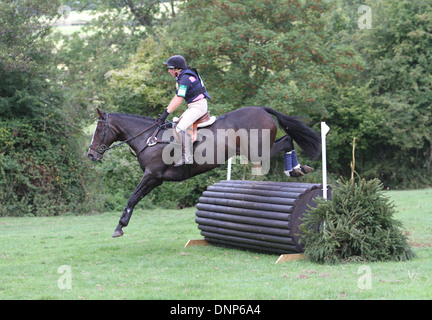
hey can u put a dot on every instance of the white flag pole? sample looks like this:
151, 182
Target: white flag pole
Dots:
229, 169
324, 130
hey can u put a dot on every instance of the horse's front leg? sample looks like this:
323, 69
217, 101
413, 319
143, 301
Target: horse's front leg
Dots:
124, 221
147, 184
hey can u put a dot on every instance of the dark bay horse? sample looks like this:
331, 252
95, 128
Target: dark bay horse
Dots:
248, 131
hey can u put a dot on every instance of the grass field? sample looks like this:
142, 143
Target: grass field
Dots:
150, 261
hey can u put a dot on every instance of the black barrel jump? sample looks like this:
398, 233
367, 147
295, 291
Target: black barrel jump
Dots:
261, 216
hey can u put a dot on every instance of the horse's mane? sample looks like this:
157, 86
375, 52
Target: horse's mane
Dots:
132, 116
139, 119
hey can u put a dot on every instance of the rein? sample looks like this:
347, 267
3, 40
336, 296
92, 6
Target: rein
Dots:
101, 148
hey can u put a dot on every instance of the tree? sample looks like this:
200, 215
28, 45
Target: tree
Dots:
140, 87
39, 157
106, 43
398, 54
24, 82
263, 52
356, 225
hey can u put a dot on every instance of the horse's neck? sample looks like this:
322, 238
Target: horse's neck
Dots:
129, 126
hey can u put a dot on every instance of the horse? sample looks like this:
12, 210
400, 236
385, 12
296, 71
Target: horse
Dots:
250, 131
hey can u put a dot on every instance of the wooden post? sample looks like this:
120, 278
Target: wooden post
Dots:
290, 257
196, 242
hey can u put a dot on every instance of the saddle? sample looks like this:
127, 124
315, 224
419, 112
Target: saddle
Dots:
205, 121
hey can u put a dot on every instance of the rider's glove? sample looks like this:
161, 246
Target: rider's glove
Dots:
164, 116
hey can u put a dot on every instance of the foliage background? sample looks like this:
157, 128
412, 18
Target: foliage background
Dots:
302, 57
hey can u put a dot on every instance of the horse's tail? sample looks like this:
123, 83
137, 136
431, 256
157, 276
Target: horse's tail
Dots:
308, 140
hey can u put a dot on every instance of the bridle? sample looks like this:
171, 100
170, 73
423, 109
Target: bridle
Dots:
101, 148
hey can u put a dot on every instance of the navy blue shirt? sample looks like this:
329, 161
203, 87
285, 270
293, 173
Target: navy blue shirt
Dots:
190, 87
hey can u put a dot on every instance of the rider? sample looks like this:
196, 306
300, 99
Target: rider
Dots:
189, 88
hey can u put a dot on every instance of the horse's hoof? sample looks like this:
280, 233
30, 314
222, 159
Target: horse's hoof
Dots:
296, 173
117, 233
306, 169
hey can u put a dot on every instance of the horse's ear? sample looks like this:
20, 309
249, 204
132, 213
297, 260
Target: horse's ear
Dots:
100, 114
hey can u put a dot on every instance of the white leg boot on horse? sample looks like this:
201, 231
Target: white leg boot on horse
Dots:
293, 168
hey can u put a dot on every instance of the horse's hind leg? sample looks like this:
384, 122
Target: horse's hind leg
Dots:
147, 184
283, 144
286, 144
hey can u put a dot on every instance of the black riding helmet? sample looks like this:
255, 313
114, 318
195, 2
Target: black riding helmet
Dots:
176, 62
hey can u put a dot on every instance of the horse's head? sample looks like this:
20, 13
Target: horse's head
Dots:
103, 137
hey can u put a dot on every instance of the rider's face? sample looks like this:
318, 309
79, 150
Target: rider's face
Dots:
174, 72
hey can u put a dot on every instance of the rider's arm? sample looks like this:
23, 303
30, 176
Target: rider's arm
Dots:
175, 103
